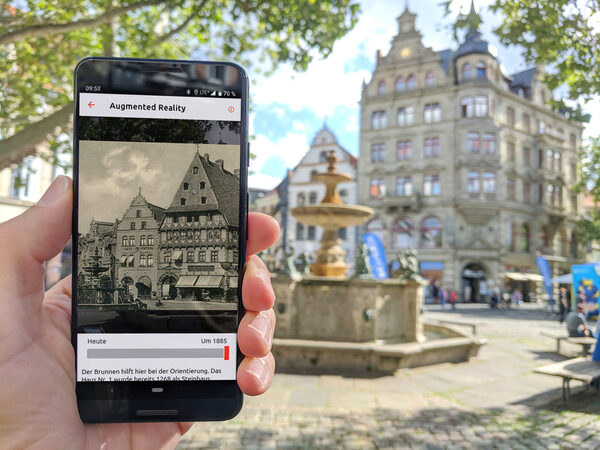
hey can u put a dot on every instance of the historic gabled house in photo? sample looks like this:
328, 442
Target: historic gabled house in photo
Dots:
198, 248
137, 248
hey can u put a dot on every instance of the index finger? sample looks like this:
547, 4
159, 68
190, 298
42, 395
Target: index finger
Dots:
263, 231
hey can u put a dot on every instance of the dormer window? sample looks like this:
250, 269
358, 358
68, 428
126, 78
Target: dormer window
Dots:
429, 79
182, 201
411, 82
186, 186
400, 84
195, 170
381, 87
138, 213
203, 200
466, 71
481, 70
202, 185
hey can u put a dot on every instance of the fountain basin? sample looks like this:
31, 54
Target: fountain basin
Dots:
329, 215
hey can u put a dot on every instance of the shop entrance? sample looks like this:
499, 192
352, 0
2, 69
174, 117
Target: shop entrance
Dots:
474, 285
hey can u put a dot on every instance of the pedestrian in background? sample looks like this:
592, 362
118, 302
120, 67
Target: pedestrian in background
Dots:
453, 296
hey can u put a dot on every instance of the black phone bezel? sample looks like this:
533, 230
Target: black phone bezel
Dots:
104, 402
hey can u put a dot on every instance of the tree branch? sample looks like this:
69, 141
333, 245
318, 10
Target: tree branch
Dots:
53, 28
23, 143
174, 31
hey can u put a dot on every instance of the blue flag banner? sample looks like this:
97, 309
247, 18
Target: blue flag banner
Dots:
545, 272
376, 256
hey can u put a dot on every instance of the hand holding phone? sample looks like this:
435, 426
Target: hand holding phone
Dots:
36, 356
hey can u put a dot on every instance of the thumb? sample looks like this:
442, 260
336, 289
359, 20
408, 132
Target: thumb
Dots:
38, 234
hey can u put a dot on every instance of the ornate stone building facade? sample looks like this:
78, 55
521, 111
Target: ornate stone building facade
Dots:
467, 164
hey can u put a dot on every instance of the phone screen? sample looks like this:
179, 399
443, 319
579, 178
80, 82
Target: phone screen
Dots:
158, 178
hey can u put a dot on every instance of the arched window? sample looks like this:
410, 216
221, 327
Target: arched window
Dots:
377, 227
429, 79
186, 186
466, 71
400, 84
431, 233
195, 170
573, 251
323, 157
411, 82
301, 199
299, 231
481, 70
381, 87
202, 185
524, 238
312, 198
403, 234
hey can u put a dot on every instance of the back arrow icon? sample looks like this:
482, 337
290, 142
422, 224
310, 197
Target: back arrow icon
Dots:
90, 104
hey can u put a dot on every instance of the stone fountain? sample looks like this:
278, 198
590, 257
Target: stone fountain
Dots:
327, 322
331, 214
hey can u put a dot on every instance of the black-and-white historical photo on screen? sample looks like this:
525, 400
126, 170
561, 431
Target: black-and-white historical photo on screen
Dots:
158, 226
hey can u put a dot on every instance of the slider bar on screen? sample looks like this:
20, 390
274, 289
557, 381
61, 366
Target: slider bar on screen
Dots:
158, 353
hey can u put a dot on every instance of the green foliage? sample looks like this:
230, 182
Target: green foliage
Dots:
589, 226
42, 40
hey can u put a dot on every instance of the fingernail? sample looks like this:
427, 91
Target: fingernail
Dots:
266, 277
258, 368
262, 326
55, 191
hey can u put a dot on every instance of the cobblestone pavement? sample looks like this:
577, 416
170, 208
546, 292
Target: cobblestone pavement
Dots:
494, 401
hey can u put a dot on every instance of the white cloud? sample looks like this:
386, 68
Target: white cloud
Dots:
289, 148
263, 181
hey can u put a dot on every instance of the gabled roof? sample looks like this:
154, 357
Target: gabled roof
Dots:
157, 212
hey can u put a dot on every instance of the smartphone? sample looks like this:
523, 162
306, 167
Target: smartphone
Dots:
159, 226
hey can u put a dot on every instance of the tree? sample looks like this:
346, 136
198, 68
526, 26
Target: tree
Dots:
41, 42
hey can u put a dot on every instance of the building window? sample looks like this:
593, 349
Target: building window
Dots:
143, 240
466, 71
299, 231
510, 151
202, 185
489, 143
573, 172
400, 84
190, 256
481, 70
573, 141
167, 258
526, 156
312, 233
214, 256
143, 225
549, 159
379, 120
150, 260
467, 107
429, 79
526, 192
431, 147
431, 233
142, 260
132, 226
377, 227
381, 87
489, 182
343, 233
473, 142
323, 157
542, 126
202, 256
182, 201
195, 170
186, 186
431, 185
312, 198
377, 153
411, 82
557, 162
432, 113
573, 245
203, 200
377, 189
403, 234
405, 116
510, 117
481, 106
125, 241
344, 195
300, 199
510, 189
131, 241
403, 150
473, 182
526, 123
404, 186
138, 213
131, 261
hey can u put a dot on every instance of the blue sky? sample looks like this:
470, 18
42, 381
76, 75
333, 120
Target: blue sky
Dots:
290, 107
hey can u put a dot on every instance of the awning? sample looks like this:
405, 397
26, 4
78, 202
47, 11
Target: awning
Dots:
177, 255
123, 259
233, 282
129, 259
186, 281
567, 278
534, 277
212, 281
516, 276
